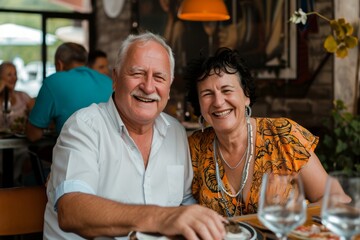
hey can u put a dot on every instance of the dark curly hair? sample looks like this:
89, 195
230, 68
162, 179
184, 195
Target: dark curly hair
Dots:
224, 60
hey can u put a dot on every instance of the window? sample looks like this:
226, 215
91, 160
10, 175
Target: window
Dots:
25, 24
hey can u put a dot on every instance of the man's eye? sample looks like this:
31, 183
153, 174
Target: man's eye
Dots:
137, 74
159, 78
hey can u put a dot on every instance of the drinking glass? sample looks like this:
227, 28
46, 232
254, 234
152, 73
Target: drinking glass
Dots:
340, 214
282, 205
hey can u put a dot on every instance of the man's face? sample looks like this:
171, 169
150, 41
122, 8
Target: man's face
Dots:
101, 65
142, 87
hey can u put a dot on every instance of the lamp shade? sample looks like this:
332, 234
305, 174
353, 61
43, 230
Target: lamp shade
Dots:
203, 10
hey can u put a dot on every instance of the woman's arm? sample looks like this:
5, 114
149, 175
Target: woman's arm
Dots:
314, 178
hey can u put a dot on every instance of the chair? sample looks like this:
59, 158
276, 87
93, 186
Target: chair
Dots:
38, 156
22, 210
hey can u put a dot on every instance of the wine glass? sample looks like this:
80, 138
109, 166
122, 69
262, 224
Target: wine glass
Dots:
339, 213
282, 205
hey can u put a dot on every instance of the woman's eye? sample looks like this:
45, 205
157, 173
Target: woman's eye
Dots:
206, 94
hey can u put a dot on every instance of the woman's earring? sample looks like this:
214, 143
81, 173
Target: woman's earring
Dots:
201, 122
247, 111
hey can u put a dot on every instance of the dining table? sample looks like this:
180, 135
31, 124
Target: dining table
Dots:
11, 141
313, 218
313, 213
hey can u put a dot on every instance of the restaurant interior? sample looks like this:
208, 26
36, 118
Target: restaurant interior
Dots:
296, 76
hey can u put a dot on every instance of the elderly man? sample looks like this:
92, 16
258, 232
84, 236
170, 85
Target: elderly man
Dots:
72, 87
123, 165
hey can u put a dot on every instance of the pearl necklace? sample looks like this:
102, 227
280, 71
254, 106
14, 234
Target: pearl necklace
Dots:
249, 155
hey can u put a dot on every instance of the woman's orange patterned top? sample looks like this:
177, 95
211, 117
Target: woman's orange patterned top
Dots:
282, 146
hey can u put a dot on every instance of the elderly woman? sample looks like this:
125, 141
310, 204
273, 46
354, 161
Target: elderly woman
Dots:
232, 154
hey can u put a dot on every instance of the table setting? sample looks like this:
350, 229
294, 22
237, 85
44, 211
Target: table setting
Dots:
284, 213
332, 219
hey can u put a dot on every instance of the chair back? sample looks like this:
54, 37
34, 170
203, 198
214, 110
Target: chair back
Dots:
22, 210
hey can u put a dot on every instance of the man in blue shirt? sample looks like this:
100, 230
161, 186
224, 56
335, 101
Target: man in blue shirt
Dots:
72, 87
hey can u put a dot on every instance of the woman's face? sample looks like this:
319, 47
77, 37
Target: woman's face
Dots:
222, 102
9, 76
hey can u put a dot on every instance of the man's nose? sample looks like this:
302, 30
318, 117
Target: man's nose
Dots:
148, 84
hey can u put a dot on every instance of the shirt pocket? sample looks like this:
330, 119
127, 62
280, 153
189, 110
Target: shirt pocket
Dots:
175, 176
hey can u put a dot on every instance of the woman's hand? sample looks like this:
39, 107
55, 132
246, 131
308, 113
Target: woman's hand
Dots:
4, 84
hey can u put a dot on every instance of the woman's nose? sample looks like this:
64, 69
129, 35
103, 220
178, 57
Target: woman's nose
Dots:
219, 99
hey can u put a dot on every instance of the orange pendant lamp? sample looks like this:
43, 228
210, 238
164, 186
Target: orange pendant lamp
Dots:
203, 10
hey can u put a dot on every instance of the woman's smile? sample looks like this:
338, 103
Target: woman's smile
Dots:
222, 114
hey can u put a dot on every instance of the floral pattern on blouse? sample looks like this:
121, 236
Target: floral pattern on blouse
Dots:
281, 146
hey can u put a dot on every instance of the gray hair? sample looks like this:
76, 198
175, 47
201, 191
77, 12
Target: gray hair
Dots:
143, 37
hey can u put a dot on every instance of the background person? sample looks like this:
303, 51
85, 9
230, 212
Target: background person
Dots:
18, 103
98, 61
124, 165
230, 157
13, 118
72, 87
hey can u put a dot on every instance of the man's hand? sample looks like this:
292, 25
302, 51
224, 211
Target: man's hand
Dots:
193, 222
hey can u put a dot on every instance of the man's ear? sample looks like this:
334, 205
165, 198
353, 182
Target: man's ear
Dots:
59, 66
114, 78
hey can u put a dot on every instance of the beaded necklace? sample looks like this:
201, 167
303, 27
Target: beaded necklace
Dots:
249, 155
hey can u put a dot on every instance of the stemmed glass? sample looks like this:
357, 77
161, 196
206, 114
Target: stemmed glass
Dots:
339, 213
282, 205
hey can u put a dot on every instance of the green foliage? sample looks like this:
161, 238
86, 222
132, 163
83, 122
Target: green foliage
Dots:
339, 149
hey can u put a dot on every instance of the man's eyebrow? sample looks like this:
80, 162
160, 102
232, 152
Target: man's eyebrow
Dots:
135, 69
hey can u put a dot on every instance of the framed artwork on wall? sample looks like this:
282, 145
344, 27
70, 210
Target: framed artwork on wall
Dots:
259, 29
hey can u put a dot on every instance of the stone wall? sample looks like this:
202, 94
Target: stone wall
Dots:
307, 100
111, 31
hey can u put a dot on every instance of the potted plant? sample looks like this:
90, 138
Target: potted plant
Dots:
339, 148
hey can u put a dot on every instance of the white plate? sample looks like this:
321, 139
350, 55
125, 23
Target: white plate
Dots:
248, 233
313, 231
144, 236
19, 135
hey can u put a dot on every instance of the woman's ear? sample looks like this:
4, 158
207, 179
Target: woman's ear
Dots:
247, 101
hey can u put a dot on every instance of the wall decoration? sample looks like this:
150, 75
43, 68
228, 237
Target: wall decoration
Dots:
259, 29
